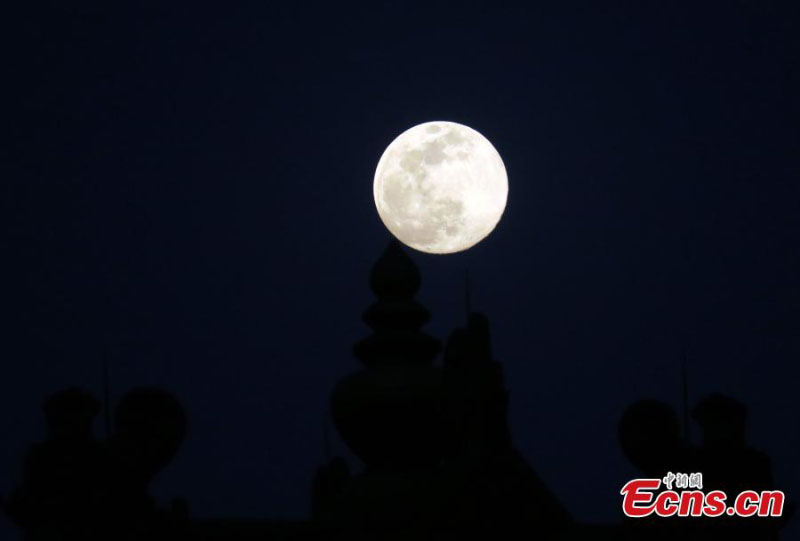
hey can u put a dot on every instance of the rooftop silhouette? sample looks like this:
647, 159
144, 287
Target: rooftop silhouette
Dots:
437, 455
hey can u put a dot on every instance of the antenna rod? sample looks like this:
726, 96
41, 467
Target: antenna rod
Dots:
467, 294
107, 391
326, 443
685, 395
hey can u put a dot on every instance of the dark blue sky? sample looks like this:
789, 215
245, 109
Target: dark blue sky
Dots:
192, 189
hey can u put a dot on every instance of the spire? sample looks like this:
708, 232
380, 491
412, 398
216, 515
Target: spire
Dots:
386, 412
396, 317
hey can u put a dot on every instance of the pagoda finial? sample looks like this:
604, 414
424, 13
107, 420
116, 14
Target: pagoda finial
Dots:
386, 412
396, 317
394, 274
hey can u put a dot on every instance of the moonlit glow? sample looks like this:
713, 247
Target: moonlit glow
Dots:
440, 187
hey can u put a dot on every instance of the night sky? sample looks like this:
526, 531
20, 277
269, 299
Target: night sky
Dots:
190, 191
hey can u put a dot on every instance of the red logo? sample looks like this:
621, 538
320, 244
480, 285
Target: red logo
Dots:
641, 498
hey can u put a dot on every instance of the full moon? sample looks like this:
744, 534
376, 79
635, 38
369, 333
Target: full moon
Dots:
440, 187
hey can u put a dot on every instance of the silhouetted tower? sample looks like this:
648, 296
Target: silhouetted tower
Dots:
387, 411
439, 458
